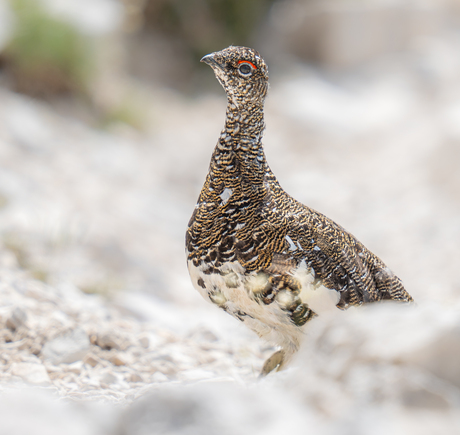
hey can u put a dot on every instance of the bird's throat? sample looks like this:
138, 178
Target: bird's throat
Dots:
240, 142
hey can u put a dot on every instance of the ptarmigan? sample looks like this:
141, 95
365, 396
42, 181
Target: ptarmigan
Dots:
255, 251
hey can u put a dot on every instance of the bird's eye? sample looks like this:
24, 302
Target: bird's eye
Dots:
245, 68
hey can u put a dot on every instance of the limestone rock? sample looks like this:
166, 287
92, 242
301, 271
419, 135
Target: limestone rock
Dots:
383, 360
215, 408
33, 373
67, 348
135, 377
144, 341
91, 359
117, 360
37, 411
108, 341
108, 378
18, 318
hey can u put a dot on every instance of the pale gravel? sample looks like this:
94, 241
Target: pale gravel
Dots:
105, 212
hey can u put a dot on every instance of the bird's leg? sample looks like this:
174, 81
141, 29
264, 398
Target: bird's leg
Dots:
285, 282
285, 289
275, 362
278, 283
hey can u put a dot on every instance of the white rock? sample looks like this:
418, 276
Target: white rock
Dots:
217, 407
91, 360
118, 359
383, 360
144, 341
68, 348
159, 377
135, 377
195, 375
108, 341
18, 318
33, 373
75, 367
108, 378
36, 411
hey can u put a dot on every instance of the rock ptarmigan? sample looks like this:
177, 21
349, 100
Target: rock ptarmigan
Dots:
256, 252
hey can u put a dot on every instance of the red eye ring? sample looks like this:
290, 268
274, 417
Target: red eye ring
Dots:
248, 62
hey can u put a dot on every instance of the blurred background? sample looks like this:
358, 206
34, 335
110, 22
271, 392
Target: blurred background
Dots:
108, 121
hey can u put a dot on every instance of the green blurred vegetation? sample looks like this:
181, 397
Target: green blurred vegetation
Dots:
206, 25
128, 111
46, 55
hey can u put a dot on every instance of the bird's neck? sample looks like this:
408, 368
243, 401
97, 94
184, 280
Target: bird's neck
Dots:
240, 142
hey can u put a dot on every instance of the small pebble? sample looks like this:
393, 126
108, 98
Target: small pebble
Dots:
6, 335
159, 377
117, 360
35, 348
91, 360
75, 367
144, 342
108, 378
108, 341
18, 318
135, 377
67, 348
34, 373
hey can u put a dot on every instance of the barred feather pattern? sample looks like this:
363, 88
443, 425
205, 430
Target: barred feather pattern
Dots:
255, 251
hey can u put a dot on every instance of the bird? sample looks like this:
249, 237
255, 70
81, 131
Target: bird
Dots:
256, 252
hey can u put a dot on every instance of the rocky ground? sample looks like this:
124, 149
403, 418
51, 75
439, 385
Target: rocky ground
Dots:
101, 331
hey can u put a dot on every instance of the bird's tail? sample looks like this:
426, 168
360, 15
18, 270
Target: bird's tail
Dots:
389, 286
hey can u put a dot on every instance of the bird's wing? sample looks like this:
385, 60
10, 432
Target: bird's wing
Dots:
345, 264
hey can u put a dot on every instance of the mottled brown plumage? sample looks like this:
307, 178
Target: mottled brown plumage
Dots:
255, 251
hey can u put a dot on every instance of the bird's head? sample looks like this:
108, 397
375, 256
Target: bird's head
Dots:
242, 73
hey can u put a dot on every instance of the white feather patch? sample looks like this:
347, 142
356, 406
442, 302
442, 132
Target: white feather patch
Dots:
319, 298
292, 246
225, 195
270, 322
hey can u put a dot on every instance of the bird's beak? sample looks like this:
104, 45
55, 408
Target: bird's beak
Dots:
209, 59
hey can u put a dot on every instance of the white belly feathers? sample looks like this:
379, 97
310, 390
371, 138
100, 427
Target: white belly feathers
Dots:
237, 294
